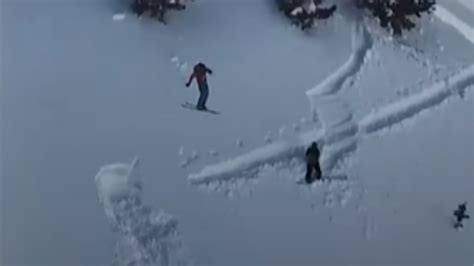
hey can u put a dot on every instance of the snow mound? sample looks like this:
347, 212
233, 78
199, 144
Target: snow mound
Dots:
145, 236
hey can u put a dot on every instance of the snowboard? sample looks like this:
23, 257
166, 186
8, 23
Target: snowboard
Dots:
329, 178
458, 226
191, 106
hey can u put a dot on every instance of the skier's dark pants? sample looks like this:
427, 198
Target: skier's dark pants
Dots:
459, 218
204, 93
309, 172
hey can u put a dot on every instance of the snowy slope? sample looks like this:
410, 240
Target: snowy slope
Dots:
82, 87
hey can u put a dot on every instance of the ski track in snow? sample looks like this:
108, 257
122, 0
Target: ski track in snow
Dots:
361, 43
340, 138
385, 117
447, 17
244, 166
394, 113
335, 115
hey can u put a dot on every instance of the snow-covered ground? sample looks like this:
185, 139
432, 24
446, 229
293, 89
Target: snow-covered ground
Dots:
84, 84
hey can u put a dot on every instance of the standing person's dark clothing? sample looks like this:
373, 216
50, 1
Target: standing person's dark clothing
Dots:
200, 73
312, 163
460, 214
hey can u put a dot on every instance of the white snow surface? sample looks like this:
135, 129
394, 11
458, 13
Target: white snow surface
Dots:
79, 90
118, 17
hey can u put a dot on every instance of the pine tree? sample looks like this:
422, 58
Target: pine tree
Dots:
303, 13
157, 8
397, 15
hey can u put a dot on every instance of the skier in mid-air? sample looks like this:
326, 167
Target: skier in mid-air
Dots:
460, 214
200, 73
312, 163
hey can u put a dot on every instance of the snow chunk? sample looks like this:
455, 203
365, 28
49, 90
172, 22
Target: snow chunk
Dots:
296, 11
194, 155
239, 143
175, 60
118, 17
296, 127
282, 131
116, 182
311, 8
185, 163
183, 68
268, 139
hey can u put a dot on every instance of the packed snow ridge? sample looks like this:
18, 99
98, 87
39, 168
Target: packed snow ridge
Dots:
447, 17
145, 236
268, 154
344, 141
396, 112
361, 44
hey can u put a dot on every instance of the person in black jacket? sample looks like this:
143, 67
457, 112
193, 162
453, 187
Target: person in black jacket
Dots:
460, 214
313, 169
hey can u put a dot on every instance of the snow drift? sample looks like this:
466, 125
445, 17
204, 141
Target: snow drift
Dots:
145, 236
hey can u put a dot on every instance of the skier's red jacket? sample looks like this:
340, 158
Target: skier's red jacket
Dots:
200, 73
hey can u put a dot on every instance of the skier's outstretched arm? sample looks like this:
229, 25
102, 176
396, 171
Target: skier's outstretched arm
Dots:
190, 80
466, 216
208, 70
